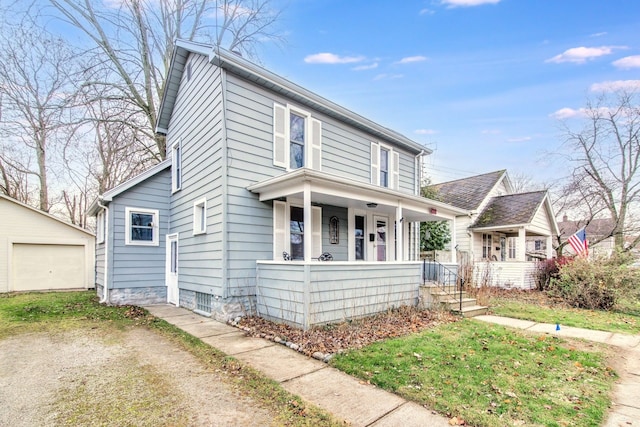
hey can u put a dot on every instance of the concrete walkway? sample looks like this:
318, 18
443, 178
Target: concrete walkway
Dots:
361, 404
625, 410
343, 396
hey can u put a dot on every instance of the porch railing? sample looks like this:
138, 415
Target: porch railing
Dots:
444, 277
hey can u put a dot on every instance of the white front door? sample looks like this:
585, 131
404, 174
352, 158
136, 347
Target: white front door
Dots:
172, 269
381, 225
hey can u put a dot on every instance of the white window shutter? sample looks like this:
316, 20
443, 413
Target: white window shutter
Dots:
375, 163
395, 172
316, 144
280, 144
279, 229
316, 232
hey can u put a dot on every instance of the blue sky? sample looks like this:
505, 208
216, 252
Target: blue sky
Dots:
481, 82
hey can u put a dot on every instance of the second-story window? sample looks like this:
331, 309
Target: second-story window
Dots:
297, 126
176, 167
385, 166
297, 138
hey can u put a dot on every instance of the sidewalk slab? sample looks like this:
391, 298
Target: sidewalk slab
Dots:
570, 332
207, 328
344, 396
624, 340
622, 416
236, 342
411, 415
166, 310
280, 363
506, 321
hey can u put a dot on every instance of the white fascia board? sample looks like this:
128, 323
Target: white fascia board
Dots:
119, 189
500, 228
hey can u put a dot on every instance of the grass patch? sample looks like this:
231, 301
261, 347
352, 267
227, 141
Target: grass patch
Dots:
625, 320
55, 311
489, 375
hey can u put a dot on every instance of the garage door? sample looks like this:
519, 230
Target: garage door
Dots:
42, 267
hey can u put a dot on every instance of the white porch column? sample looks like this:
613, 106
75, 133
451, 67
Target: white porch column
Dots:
399, 233
454, 243
549, 247
307, 232
521, 248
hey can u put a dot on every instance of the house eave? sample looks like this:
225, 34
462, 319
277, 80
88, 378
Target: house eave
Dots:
500, 228
108, 195
289, 184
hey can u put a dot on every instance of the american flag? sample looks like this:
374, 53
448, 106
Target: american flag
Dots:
579, 242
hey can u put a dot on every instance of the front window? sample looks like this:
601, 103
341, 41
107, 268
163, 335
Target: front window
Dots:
296, 232
512, 247
100, 227
142, 227
297, 141
384, 167
486, 246
359, 230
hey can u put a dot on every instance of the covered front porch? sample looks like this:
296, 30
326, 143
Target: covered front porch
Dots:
371, 232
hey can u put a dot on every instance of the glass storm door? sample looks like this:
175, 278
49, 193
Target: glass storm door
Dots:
172, 269
381, 224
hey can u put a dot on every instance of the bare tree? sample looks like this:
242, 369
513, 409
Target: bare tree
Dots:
605, 154
35, 83
134, 41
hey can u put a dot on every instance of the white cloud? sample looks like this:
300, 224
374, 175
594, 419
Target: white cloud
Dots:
604, 33
628, 62
426, 12
612, 86
468, 3
331, 58
385, 76
567, 113
365, 67
580, 55
411, 59
425, 132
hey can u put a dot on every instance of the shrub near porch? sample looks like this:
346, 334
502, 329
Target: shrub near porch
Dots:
489, 375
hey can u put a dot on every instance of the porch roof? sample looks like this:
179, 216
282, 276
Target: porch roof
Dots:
339, 191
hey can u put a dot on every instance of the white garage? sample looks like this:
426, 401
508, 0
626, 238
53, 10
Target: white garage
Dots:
40, 252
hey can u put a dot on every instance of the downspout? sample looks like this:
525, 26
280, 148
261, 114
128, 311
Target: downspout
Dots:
225, 191
105, 287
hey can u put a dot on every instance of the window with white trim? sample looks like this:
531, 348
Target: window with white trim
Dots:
486, 246
176, 166
360, 241
200, 216
385, 166
100, 227
297, 138
289, 231
511, 247
141, 226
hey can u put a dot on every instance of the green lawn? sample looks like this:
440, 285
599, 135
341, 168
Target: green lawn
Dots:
489, 375
626, 319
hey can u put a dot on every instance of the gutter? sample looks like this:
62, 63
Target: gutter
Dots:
105, 287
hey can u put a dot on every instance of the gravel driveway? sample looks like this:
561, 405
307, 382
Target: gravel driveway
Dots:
132, 377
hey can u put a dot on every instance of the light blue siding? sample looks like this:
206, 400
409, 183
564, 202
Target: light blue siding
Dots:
337, 291
134, 266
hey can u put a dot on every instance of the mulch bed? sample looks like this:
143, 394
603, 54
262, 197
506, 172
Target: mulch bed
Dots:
334, 338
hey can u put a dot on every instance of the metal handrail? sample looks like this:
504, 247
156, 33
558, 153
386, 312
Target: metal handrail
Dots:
443, 276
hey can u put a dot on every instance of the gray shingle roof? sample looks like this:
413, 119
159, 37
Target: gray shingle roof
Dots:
511, 209
467, 193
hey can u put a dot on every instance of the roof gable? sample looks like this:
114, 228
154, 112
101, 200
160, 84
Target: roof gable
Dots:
469, 193
511, 209
44, 214
237, 65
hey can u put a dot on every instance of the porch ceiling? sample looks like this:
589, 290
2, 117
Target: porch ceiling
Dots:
338, 191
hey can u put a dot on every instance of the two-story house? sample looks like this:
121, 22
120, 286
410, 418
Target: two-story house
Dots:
272, 200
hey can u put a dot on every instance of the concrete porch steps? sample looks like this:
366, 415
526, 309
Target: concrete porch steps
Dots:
434, 296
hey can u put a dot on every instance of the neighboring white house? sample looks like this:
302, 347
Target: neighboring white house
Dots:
40, 252
597, 230
504, 233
